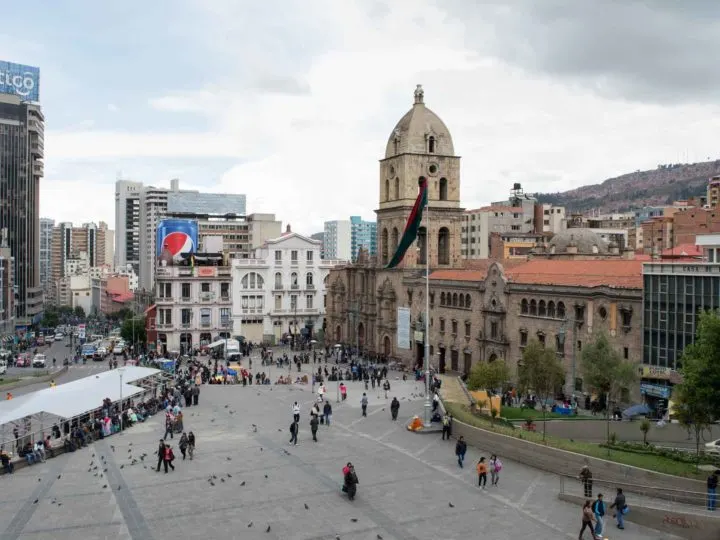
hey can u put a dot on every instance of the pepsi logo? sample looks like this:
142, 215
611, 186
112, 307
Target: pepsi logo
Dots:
178, 242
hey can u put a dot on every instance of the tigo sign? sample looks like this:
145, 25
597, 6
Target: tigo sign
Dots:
22, 81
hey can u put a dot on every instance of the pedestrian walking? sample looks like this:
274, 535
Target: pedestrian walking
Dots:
160, 454
386, 387
587, 520
191, 444
293, 432
446, 427
343, 391
482, 472
314, 427
495, 468
394, 408
183, 444
296, 412
620, 508
327, 412
598, 509
364, 404
168, 458
460, 449
169, 426
712, 485
586, 479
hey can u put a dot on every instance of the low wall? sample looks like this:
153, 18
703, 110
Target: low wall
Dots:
34, 380
684, 525
562, 462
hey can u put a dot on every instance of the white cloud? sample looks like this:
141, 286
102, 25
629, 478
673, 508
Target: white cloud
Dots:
308, 112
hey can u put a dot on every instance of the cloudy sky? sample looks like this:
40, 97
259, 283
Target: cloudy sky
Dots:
292, 102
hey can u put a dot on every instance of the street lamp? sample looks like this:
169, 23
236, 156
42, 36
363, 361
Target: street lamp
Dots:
121, 371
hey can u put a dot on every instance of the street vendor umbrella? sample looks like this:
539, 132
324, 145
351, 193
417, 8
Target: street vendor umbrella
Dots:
636, 410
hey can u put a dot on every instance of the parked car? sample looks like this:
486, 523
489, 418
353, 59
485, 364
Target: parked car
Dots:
713, 447
23, 360
59, 336
40, 361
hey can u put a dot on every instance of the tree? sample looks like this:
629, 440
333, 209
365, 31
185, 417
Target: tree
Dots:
542, 373
697, 399
50, 319
79, 312
488, 375
605, 371
133, 330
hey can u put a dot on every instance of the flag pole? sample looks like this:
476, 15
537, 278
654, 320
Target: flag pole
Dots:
427, 307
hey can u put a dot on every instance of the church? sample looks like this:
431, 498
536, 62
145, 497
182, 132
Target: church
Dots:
480, 310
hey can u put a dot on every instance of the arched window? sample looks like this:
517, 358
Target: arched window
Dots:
533, 307
443, 189
461, 300
384, 242
560, 310
394, 239
524, 306
431, 145
309, 279
454, 297
542, 309
422, 245
444, 246
442, 299
252, 280
387, 190
278, 280
467, 300
294, 280
397, 188
326, 280
551, 309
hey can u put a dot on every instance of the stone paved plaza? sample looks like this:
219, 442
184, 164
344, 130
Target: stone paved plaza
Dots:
407, 481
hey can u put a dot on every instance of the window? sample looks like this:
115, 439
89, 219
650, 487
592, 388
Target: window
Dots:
541, 339
626, 353
309, 256
494, 329
559, 346
467, 301
461, 301
442, 299
443, 195
560, 310
432, 299
524, 309
626, 316
397, 188
431, 145
294, 280
294, 256
225, 317
542, 309
206, 317
253, 280
523, 338
225, 291
579, 313
309, 301
467, 329
444, 246
454, 327
204, 287
185, 317
384, 247
293, 301
422, 245
278, 301
185, 291
395, 240
442, 324
454, 300
387, 190
278, 280
603, 312
324, 300
165, 290
533, 307
278, 256
309, 280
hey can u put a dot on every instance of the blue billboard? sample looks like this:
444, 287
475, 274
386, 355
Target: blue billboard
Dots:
22, 81
179, 236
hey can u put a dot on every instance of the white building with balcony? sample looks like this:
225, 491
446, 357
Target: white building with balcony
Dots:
281, 291
194, 305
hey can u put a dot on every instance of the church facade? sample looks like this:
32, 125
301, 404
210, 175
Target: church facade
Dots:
482, 310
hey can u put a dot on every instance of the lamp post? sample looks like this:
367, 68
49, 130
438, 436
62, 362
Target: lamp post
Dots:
121, 371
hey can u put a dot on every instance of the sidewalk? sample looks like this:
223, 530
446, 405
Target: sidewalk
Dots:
452, 390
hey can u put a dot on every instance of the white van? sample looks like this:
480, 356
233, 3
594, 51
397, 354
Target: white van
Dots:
40, 361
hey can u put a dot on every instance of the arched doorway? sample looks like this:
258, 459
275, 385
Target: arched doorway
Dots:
493, 357
387, 346
338, 334
186, 343
361, 335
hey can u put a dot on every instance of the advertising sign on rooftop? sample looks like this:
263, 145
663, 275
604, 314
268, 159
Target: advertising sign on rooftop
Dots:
19, 80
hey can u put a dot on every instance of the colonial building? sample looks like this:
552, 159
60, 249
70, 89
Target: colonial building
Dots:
572, 288
281, 291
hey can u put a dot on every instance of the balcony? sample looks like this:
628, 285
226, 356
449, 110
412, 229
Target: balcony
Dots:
225, 299
185, 299
205, 324
184, 272
164, 326
164, 300
223, 271
278, 287
207, 296
310, 287
252, 311
186, 325
226, 323
295, 286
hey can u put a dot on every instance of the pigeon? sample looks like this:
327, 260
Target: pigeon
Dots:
266, 476
112, 447
261, 449
129, 450
105, 486
222, 480
121, 466
268, 529
104, 470
354, 520
212, 420
93, 455
250, 524
379, 537
101, 475
119, 488
229, 475
279, 429
242, 483
451, 505
214, 477
95, 468
229, 458
307, 507
39, 479
89, 470
212, 483
129, 444
226, 406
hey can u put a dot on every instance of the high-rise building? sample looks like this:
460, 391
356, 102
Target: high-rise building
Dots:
127, 223
22, 135
321, 237
110, 246
46, 231
363, 234
337, 241
7, 295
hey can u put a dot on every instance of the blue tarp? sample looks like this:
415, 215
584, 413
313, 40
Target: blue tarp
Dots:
636, 410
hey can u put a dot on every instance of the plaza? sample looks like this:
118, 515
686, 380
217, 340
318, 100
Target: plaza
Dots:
243, 481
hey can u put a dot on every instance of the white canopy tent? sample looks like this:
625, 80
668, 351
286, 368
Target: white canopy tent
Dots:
76, 397
232, 344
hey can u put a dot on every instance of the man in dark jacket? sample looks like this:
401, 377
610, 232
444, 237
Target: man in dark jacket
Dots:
619, 506
394, 408
460, 449
712, 484
327, 412
598, 508
314, 426
161, 454
293, 432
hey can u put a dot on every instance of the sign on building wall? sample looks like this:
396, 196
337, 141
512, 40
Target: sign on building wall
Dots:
654, 372
403, 328
19, 80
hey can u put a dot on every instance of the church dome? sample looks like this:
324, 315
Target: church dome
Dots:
585, 240
420, 131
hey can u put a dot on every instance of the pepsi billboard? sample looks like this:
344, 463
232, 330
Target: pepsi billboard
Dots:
19, 80
179, 236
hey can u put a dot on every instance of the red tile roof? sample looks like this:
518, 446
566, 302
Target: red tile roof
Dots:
579, 273
683, 250
459, 275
